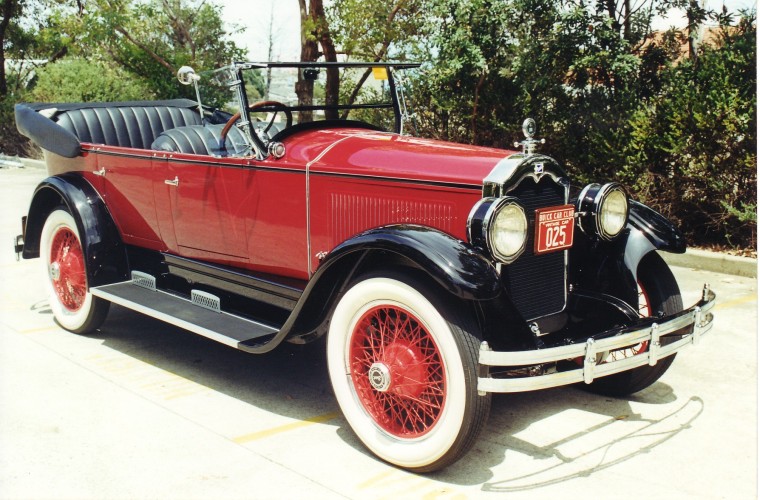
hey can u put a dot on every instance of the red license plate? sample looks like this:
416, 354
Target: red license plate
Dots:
554, 229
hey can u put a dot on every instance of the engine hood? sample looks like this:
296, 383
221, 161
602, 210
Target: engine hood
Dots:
367, 153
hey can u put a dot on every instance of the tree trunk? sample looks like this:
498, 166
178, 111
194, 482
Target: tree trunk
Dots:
270, 51
314, 16
332, 85
9, 6
474, 119
309, 53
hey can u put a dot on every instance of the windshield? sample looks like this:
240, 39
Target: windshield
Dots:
282, 96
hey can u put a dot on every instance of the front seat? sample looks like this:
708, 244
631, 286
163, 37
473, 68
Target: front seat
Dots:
201, 140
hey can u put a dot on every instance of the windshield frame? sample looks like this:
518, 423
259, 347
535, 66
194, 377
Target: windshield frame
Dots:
260, 146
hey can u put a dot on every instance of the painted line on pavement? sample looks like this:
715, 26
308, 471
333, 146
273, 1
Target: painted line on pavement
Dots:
254, 436
736, 302
49, 328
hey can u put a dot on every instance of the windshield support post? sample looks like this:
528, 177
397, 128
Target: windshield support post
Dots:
259, 147
396, 107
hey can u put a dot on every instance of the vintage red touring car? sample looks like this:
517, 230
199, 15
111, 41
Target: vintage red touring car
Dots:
439, 273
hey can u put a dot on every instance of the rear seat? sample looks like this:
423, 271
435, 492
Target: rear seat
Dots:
125, 124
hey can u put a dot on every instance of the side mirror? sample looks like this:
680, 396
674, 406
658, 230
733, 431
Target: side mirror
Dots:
186, 75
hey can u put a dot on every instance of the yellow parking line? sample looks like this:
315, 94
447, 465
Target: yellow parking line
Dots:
247, 438
736, 302
376, 479
40, 329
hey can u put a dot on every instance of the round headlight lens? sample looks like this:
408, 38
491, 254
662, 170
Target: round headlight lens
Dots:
612, 211
507, 230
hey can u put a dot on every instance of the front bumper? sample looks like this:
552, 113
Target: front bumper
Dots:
697, 319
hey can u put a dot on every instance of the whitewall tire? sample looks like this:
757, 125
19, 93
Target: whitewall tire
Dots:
404, 375
61, 250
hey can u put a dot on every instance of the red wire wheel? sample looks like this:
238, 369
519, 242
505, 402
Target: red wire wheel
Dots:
644, 309
67, 271
404, 369
397, 371
73, 306
659, 295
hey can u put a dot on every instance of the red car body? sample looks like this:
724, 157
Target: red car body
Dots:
439, 272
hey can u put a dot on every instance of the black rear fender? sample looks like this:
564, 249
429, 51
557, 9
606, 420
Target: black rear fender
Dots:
103, 249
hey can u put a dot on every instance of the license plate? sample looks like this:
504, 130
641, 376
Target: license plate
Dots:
554, 229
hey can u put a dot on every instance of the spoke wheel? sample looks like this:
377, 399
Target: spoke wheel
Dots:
73, 306
398, 372
644, 309
404, 372
67, 269
658, 295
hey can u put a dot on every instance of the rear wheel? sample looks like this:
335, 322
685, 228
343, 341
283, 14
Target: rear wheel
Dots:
659, 295
73, 306
405, 373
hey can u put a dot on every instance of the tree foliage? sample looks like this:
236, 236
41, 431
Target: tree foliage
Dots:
674, 121
95, 81
28, 40
152, 39
693, 147
119, 50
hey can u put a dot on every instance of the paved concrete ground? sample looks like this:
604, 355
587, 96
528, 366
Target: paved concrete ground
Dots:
145, 410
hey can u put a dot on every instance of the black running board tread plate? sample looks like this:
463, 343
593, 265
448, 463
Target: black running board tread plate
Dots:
222, 327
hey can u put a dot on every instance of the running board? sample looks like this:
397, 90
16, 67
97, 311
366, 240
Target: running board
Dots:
200, 315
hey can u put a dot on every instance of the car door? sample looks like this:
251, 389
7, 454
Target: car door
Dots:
239, 212
210, 205
126, 180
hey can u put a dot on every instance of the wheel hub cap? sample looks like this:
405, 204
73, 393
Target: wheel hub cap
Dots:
55, 271
380, 377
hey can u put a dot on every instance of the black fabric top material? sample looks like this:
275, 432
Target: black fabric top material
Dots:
68, 106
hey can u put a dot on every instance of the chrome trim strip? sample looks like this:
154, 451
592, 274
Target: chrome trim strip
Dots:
696, 317
506, 168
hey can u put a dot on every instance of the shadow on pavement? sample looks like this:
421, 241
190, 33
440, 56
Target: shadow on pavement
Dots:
546, 437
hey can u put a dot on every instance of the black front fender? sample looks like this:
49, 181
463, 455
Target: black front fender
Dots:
106, 259
611, 268
453, 264
649, 231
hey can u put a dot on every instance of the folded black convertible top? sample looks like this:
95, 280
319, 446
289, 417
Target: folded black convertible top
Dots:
69, 106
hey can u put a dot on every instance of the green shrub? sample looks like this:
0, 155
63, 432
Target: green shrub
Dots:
12, 143
693, 148
79, 80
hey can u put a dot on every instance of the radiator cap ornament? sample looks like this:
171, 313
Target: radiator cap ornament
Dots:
530, 144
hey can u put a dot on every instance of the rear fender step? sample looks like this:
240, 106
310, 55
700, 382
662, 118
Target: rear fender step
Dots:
202, 314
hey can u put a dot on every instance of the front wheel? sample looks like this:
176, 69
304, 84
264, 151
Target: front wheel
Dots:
404, 373
659, 295
74, 307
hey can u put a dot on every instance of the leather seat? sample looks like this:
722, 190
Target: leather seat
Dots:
201, 140
125, 126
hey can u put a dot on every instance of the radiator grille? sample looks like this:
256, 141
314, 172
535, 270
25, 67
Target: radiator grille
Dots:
537, 282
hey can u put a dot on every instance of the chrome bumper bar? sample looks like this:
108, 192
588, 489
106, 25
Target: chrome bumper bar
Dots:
697, 318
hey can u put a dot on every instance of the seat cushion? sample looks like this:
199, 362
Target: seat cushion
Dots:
201, 140
125, 126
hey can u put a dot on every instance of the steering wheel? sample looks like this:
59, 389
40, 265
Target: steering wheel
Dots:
253, 108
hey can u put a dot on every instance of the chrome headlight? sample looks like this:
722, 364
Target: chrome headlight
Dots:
499, 225
604, 210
